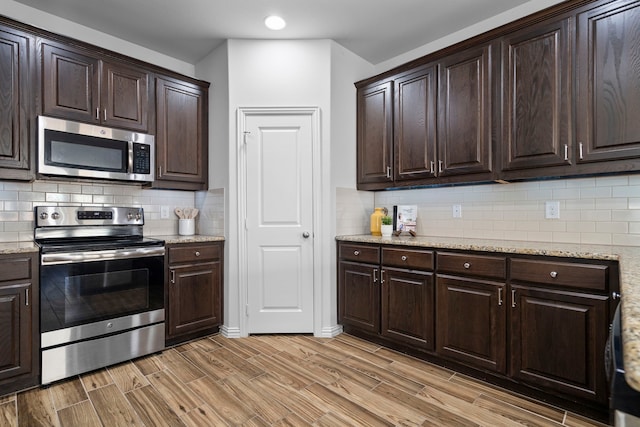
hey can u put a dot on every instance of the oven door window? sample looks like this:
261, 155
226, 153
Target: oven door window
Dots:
75, 294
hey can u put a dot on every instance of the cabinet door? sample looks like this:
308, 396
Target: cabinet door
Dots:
415, 125
125, 96
359, 296
471, 322
465, 112
408, 307
608, 71
15, 108
558, 340
537, 98
375, 134
70, 84
194, 300
181, 135
16, 350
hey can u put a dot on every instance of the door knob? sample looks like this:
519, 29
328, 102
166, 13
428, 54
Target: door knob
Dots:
306, 234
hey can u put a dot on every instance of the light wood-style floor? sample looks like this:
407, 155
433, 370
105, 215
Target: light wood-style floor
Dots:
288, 380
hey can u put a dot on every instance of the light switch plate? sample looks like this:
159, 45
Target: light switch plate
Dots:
457, 211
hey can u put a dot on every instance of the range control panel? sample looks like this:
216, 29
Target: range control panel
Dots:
60, 216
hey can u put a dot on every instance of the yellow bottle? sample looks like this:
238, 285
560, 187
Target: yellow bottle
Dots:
376, 222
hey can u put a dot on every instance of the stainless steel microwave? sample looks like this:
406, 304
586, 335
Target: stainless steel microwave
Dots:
73, 149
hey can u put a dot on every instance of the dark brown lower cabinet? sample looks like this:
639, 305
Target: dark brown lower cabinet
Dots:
558, 340
19, 314
194, 291
408, 307
537, 324
471, 322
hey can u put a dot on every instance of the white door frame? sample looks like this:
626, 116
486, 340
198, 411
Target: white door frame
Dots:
243, 282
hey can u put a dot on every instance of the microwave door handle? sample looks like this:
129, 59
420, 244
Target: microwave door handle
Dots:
130, 158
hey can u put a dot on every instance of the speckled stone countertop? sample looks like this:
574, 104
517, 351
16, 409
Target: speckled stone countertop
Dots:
18, 247
196, 238
628, 258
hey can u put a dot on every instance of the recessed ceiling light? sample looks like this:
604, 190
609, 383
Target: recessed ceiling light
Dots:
274, 22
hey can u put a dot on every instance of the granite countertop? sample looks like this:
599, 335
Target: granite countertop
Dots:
628, 258
18, 247
196, 238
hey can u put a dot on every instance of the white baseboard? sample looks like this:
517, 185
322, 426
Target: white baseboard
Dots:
330, 331
228, 332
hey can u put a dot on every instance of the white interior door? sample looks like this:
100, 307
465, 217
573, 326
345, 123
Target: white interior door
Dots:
279, 223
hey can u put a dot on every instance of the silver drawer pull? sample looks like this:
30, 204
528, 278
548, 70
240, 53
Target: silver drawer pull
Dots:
356, 253
615, 295
466, 265
197, 253
404, 257
553, 274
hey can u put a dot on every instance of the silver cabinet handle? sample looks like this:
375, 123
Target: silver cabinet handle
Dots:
580, 149
432, 167
26, 297
356, 253
389, 172
306, 234
197, 253
513, 298
440, 166
382, 272
499, 296
553, 274
566, 152
173, 276
375, 275
105, 114
97, 113
466, 265
404, 257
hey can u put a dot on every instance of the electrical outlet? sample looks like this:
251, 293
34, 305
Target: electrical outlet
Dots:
552, 210
164, 212
457, 211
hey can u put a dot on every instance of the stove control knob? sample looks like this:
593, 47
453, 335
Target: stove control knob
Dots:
129, 216
138, 216
44, 215
55, 216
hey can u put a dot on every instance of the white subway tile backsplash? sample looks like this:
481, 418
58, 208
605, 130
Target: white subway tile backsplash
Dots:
592, 210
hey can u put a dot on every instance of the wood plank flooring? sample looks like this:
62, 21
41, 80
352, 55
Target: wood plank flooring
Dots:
284, 380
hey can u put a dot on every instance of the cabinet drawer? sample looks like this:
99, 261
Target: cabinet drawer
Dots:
12, 268
474, 265
407, 258
575, 275
360, 253
193, 253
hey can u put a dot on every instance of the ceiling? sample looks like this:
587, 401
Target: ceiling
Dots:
376, 30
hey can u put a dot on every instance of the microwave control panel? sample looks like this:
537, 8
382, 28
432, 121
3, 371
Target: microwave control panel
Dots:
141, 158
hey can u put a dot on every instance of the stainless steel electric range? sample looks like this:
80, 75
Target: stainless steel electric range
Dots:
101, 288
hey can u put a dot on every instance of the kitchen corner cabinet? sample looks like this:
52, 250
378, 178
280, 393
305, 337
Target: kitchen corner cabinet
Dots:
387, 292
429, 125
471, 311
16, 127
80, 85
181, 134
194, 290
19, 314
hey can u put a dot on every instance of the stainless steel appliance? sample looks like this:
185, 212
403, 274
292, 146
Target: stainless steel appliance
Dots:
101, 288
74, 149
624, 400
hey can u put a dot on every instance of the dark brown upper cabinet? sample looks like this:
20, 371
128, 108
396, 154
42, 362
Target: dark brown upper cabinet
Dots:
608, 83
536, 98
16, 154
375, 134
415, 124
79, 85
181, 135
465, 112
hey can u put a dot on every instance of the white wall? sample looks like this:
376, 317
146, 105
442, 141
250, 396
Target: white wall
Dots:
46, 21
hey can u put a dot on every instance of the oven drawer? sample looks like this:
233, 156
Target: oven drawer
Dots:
181, 254
15, 268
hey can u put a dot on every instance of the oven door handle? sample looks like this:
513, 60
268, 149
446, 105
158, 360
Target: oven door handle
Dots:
108, 255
